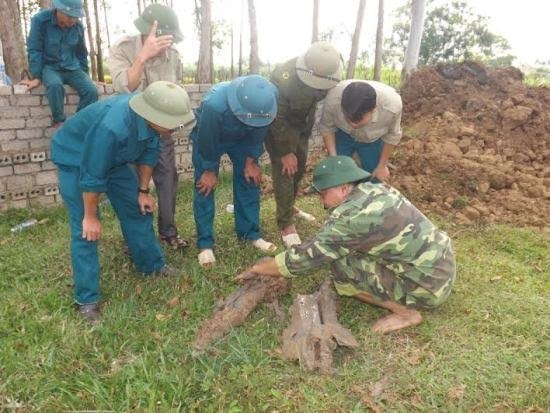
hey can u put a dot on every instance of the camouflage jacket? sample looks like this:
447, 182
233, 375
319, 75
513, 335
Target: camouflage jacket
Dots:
296, 109
377, 223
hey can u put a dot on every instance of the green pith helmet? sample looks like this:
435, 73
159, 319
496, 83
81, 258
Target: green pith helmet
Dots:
71, 8
167, 21
320, 67
337, 170
253, 100
165, 104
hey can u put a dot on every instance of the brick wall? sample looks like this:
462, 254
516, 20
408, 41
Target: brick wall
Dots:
27, 175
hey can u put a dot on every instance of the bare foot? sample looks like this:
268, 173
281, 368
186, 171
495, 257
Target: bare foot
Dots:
291, 229
397, 321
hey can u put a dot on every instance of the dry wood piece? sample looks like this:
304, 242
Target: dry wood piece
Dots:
233, 311
314, 330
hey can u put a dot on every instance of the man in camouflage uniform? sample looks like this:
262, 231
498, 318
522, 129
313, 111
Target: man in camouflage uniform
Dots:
302, 82
382, 250
137, 61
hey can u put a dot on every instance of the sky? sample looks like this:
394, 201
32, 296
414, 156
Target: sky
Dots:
284, 26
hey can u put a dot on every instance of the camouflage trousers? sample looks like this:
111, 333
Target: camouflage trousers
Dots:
398, 282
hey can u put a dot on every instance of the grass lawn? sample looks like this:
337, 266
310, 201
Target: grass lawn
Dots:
486, 349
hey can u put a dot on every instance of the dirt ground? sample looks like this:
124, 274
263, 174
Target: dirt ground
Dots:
476, 146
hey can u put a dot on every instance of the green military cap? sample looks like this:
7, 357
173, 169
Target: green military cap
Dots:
165, 104
167, 21
71, 8
320, 67
337, 170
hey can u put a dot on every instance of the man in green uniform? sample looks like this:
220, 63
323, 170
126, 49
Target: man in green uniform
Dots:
382, 250
135, 62
302, 82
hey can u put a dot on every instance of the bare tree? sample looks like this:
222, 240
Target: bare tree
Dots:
99, 52
45, 4
232, 52
315, 31
241, 40
106, 22
91, 48
415, 37
379, 41
355, 39
11, 38
139, 7
204, 65
254, 58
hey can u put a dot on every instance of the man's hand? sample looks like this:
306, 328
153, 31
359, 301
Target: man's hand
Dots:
207, 182
153, 45
381, 172
31, 84
290, 164
91, 228
146, 204
264, 266
252, 172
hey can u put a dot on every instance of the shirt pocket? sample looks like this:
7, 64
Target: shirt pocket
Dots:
376, 132
53, 42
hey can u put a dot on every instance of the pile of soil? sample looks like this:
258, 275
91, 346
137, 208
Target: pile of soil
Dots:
476, 145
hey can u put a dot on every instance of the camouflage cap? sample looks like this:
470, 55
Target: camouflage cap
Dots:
167, 21
71, 8
320, 67
165, 104
337, 170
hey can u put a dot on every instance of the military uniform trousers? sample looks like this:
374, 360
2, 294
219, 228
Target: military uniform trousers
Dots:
369, 153
137, 229
246, 197
398, 282
285, 187
54, 80
165, 177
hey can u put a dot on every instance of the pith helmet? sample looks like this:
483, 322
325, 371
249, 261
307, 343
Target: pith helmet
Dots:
337, 170
320, 67
167, 21
253, 100
71, 8
165, 104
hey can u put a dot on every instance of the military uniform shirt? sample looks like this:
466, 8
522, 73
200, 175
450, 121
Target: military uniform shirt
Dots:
296, 109
48, 44
385, 122
103, 136
377, 223
122, 55
216, 124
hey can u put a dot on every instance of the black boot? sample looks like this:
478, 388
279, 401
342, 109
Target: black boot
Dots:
90, 312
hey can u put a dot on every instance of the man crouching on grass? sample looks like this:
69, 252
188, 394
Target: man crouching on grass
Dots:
382, 250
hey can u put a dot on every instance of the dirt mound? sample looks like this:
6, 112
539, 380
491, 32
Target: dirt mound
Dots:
476, 144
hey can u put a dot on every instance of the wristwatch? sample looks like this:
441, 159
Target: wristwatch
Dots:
143, 190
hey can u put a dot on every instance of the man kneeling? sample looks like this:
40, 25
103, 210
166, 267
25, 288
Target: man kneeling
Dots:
381, 248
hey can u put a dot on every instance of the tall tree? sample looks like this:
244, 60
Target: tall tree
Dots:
415, 37
254, 57
45, 4
355, 39
379, 41
91, 48
99, 51
204, 65
106, 23
315, 31
139, 7
241, 40
11, 37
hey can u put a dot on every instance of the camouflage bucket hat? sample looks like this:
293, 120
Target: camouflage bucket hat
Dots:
165, 104
320, 67
167, 21
337, 170
253, 100
71, 8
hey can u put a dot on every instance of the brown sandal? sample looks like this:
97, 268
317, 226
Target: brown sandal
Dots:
176, 242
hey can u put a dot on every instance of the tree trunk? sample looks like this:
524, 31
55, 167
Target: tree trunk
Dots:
22, 11
241, 40
11, 37
254, 58
379, 41
204, 66
232, 52
355, 39
139, 7
99, 53
45, 4
315, 31
106, 23
91, 48
415, 37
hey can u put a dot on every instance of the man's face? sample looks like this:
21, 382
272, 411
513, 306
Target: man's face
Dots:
364, 120
65, 21
334, 196
163, 132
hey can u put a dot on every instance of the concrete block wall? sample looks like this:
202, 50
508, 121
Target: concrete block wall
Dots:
27, 175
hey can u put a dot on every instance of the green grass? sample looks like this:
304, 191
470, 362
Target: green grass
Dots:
486, 349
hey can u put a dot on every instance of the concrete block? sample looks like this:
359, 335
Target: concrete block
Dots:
14, 112
46, 178
6, 171
12, 123
184, 141
6, 90
73, 99
26, 168
48, 132
5, 159
29, 133
20, 89
22, 203
175, 140
180, 149
33, 193
15, 146
42, 122
204, 87
4, 101
69, 90
70, 109
18, 195
18, 158
41, 144
191, 88
40, 111
51, 190
180, 168
43, 200
27, 100
4, 197
40, 90
48, 166
6, 135
18, 182
38, 156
